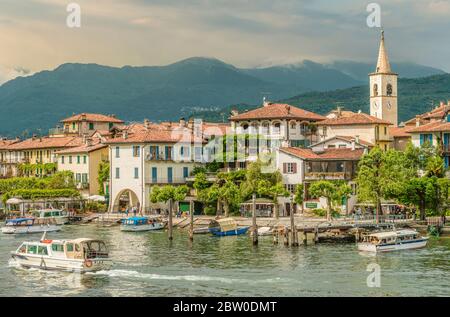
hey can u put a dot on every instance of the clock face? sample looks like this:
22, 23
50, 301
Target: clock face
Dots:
375, 105
389, 105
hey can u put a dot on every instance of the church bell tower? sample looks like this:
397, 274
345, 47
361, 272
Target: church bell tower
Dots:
383, 88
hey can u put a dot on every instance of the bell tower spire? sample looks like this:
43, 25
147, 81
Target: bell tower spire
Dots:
383, 88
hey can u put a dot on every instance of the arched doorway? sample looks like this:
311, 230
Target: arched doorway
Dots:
125, 199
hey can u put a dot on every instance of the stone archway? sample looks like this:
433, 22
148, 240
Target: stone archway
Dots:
125, 199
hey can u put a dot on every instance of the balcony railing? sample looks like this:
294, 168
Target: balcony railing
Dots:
166, 180
328, 175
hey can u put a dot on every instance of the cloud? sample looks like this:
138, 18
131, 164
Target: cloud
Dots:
242, 32
7, 74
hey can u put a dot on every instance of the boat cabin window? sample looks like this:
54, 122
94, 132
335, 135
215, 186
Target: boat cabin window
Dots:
32, 249
69, 247
77, 247
57, 248
23, 249
47, 214
42, 250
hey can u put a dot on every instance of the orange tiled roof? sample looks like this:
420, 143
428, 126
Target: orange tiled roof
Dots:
154, 133
96, 145
350, 138
356, 119
438, 126
278, 111
46, 143
328, 154
5, 144
93, 117
399, 132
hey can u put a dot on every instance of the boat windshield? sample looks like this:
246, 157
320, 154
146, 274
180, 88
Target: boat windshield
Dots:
95, 249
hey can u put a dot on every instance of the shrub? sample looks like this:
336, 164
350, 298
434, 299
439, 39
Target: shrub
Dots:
323, 212
95, 207
210, 211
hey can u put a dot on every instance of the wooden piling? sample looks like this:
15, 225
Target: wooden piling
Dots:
191, 225
316, 234
170, 224
305, 238
293, 233
255, 227
286, 236
275, 236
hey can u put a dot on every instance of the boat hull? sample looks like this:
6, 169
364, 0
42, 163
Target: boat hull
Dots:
416, 244
236, 232
140, 228
30, 229
61, 264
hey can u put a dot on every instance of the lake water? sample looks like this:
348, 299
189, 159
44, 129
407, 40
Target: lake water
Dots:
147, 264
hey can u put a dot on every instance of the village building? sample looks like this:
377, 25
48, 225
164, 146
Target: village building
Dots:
36, 156
149, 154
6, 162
86, 124
84, 162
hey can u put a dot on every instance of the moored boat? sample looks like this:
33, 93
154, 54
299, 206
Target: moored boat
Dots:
28, 225
79, 255
60, 217
137, 224
226, 227
392, 241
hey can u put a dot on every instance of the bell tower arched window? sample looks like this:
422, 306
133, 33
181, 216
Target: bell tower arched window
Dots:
375, 90
389, 90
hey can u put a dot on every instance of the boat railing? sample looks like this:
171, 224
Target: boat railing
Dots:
96, 254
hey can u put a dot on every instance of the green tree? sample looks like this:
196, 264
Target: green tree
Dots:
267, 189
299, 195
324, 189
103, 176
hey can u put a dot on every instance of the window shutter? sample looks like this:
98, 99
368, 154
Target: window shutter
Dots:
284, 168
294, 168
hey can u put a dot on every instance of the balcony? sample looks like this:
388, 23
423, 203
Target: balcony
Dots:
328, 176
83, 186
166, 180
58, 131
158, 157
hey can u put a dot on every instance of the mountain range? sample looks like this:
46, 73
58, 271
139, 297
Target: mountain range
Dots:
36, 103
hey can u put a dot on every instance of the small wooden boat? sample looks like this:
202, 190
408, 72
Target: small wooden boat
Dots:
29, 225
79, 255
226, 227
201, 230
137, 224
392, 241
60, 217
263, 231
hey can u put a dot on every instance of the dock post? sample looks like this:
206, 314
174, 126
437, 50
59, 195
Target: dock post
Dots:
191, 225
286, 236
170, 219
293, 233
316, 234
305, 237
275, 236
255, 227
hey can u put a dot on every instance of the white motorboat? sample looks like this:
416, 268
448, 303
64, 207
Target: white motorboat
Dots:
263, 231
392, 241
60, 217
137, 224
80, 255
28, 225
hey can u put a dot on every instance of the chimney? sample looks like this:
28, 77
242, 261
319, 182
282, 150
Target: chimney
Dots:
146, 124
357, 138
265, 102
89, 141
191, 124
83, 117
234, 112
125, 134
339, 111
353, 144
33, 137
417, 120
288, 108
182, 122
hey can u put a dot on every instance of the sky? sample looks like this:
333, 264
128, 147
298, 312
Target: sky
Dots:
246, 33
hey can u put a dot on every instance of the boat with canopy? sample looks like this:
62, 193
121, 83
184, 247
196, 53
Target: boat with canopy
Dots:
226, 227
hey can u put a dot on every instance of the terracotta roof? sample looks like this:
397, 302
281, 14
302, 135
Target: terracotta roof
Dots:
154, 133
399, 132
278, 111
96, 145
356, 119
350, 138
438, 126
328, 154
46, 143
5, 144
93, 117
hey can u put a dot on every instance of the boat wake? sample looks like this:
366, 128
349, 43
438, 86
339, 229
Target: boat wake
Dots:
190, 278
